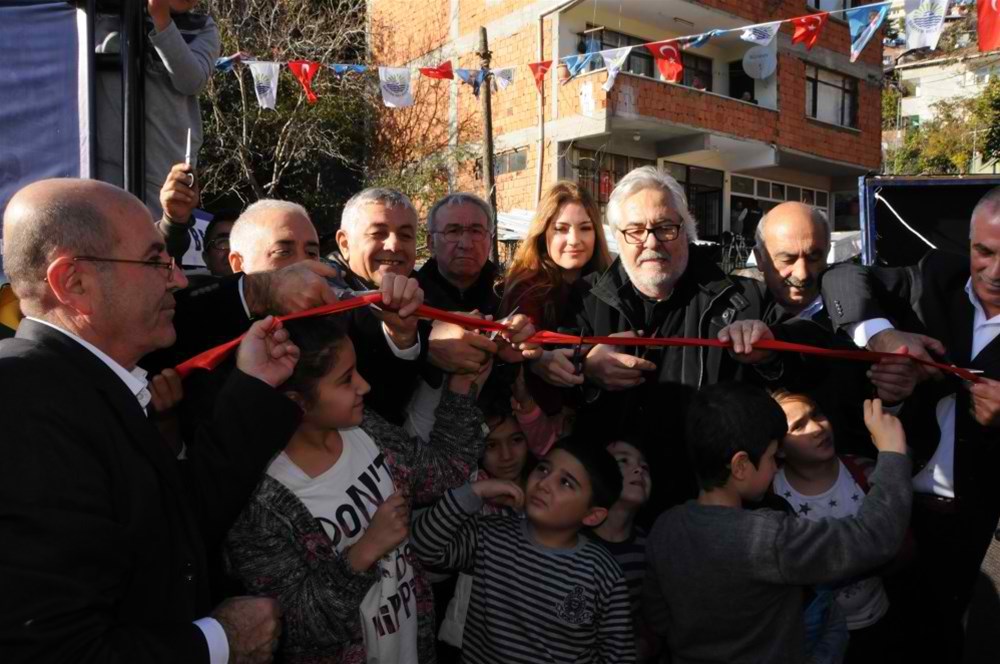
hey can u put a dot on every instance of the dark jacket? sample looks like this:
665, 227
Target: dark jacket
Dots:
105, 540
706, 300
441, 293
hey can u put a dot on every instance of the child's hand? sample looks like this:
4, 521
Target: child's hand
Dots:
885, 428
521, 400
159, 11
500, 492
389, 527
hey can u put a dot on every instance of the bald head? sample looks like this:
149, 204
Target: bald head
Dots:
272, 234
792, 243
57, 217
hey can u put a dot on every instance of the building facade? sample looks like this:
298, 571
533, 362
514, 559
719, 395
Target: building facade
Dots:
737, 144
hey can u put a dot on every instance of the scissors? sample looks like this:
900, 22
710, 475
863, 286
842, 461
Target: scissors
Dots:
503, 321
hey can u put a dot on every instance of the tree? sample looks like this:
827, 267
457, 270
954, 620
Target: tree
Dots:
311, 154
987, 110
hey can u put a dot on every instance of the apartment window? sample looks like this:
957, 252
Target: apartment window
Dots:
697, 71
831, 97
640, 60
505, 162
598, 172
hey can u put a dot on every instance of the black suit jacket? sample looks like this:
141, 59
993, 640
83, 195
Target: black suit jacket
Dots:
104, 541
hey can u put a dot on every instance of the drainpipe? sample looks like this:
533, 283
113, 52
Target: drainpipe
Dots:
540, 152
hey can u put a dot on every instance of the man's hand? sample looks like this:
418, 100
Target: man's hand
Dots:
885, 428
499, 492
919, 345
159, 11
894, 377
986, 402
556, 368
179, 195
744, 334
519, 328
266, 353
462, 383
400, 298
288, 290
454, 349
612, 370
390, 525
252, 626
166, 391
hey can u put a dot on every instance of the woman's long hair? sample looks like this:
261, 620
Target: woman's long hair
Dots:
533, 275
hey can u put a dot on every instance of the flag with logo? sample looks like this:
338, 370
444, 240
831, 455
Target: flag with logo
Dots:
304, 70
442, 71
538, 70
576, 64
341, 70
668, 59
473, 77
864, 23
807, 28
700, 40
503, 77
265, 82
227, 63
395, 85
989, 25
761, 34
614, 60
924, 22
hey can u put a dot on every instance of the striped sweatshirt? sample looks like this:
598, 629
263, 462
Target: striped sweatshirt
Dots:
529, 603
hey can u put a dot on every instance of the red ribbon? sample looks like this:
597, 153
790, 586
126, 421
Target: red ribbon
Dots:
213, 357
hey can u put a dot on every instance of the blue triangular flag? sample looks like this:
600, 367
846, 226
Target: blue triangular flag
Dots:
864, 22
577, 63
700, 40
227, 64
473, 77
340, 70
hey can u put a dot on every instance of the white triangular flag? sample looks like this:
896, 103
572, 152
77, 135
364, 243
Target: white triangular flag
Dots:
395, 85
762, 33
503, 77
924, 22
614, 60
265, 82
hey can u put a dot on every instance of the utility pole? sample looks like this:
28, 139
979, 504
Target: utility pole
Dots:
485, 92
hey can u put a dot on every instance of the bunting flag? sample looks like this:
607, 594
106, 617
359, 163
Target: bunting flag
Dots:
265, 82
473, 77
443, 70
761, 34
395, 85
538, 70
864, 22
807, 29
340, 70
304, 70
668, 59
989, 25
227, 64
924, 22
614, 60
503, 77
576, 64
700, 40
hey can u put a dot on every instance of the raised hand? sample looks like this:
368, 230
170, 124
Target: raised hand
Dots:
166, 391
885, 428
389, 527
179, 195
400, 298
499, 492
266, 352
613, 370
288, 290
556, 367
744, 334
986, 402
894, 377
918, 345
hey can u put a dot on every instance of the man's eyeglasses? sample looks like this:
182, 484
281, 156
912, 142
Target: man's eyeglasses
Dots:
218, 244
665, 233
453, 234
167, 267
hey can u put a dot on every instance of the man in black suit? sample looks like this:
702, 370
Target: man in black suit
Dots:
104, 539
952, 426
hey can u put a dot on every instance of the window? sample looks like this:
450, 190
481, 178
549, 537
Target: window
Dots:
505, 162
598, 172
697, 71
640, 60
741, 185
831, 97
741, 86
832, 5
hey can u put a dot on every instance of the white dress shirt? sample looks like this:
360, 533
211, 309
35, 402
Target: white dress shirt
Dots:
135, 381
938, 476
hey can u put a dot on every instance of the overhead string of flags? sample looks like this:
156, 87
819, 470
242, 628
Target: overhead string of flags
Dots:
924, 22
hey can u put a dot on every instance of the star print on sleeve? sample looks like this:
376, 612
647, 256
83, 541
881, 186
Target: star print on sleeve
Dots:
804, 508
787, 494
855, 497
832, 503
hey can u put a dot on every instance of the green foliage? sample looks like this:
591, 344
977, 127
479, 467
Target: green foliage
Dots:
890, 107
987, 109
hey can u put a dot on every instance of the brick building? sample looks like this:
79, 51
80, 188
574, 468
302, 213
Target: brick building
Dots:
806, 134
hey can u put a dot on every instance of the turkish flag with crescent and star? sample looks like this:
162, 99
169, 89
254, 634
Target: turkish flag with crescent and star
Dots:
668, 59
807, 28
443, 70
989, 25
304, 70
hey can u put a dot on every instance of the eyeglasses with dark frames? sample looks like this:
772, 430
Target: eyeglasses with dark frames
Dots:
452, 234
167, 267
663, 233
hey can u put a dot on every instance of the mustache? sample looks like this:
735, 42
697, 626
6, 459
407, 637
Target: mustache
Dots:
799, 283
652, 254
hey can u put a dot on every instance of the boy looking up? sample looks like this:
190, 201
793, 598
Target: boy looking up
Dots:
541, 592
726, 584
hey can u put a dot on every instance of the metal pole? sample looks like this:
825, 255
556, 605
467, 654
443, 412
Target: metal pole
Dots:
486, 92
133, 153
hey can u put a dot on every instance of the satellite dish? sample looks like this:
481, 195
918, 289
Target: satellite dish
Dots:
760, 62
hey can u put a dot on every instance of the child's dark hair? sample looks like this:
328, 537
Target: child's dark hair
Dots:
318, 340
601, 467
728, 418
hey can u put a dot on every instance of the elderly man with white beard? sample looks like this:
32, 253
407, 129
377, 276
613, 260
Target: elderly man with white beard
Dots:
664, 285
